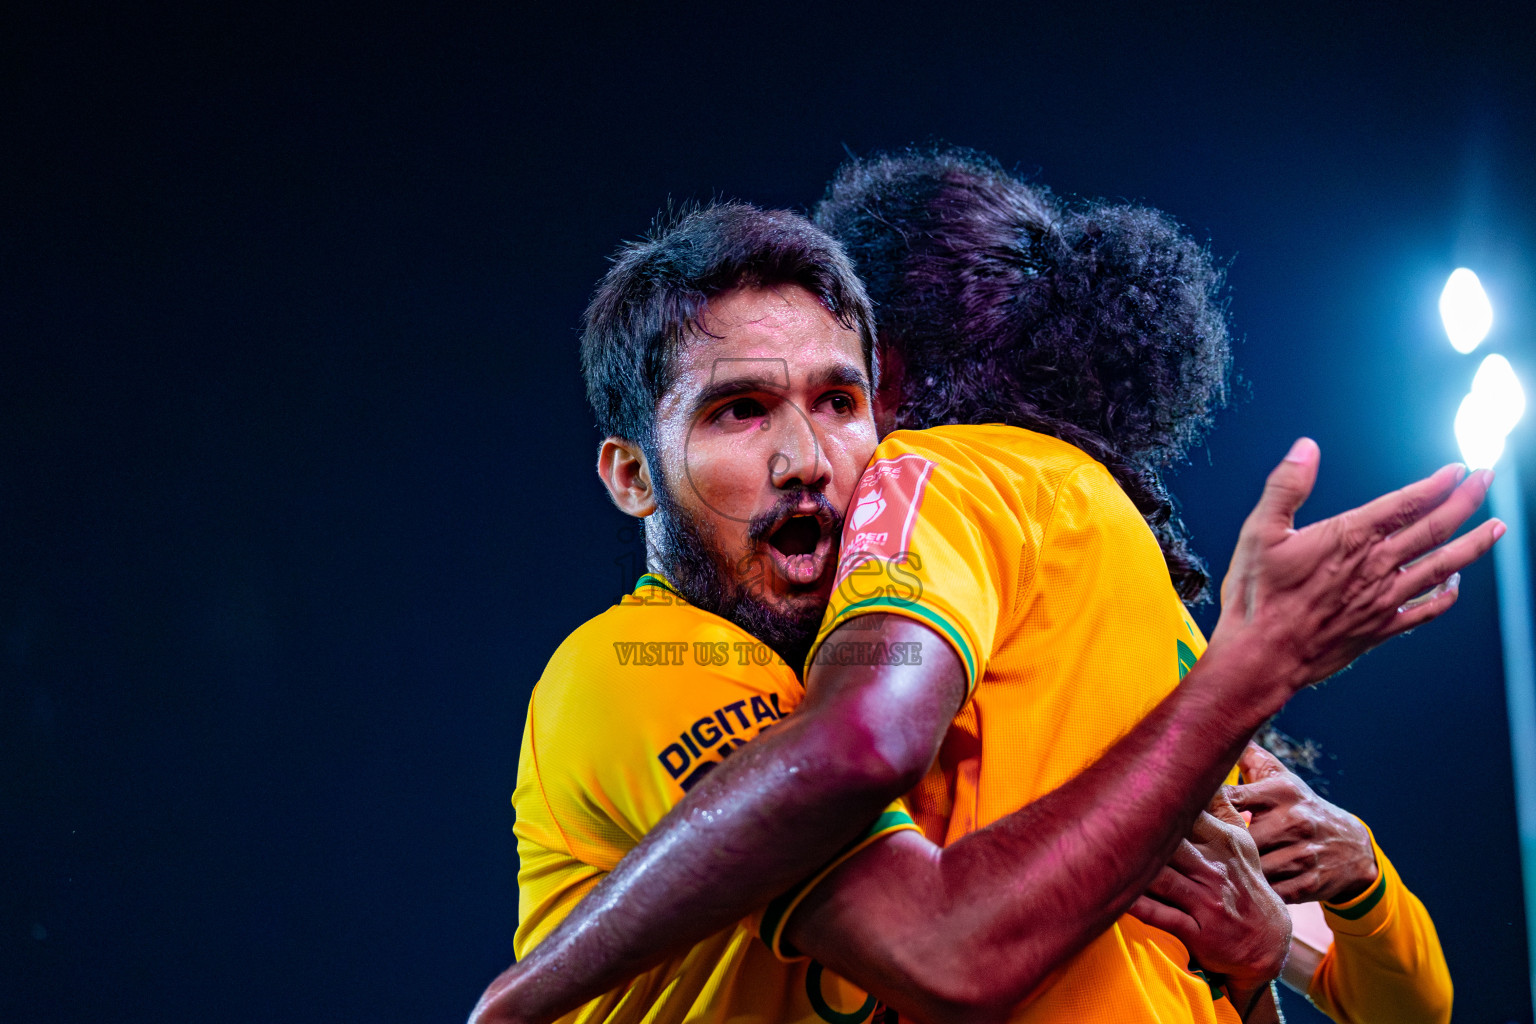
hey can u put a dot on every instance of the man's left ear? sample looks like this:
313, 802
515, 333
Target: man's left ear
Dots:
627, 475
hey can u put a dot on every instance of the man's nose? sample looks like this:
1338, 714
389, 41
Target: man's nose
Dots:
797, 459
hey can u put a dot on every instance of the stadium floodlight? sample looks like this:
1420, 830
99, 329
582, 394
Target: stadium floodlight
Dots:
1489, 413
1465, 310
1496, 385
1483, 421
1478, 435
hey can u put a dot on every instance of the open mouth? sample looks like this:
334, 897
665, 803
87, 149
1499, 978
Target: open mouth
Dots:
798, 536
800, 547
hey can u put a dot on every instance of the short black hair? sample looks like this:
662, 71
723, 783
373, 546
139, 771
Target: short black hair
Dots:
1103, 324
655, 294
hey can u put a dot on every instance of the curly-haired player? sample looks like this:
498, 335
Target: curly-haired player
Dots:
1098, 323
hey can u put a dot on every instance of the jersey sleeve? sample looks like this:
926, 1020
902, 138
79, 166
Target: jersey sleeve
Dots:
774, 918
916, 543
550, 881
1385, 965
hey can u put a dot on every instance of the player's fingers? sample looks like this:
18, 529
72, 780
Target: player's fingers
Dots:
1220, 808
1268, 832
1160, 915
1407, 505
1167, 884
1286, 890
1440, 524
1427, 608
1174, 885
1299, 888
1260, 795
1256, 764
1450, 586
1206, 829
1440, 565
1279, 865
1186, 875
1287, 486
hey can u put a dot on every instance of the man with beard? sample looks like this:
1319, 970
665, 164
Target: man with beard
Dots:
997, 911
730, 364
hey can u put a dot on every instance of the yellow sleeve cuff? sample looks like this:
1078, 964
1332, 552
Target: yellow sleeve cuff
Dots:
778, 913
918, 612
1372, 909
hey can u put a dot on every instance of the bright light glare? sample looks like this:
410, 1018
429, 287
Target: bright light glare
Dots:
1497, 387
1478, 434
1465, 310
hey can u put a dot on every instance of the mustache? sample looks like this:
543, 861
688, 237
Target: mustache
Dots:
765, 523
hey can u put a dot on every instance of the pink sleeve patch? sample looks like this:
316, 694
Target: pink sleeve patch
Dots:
884, 510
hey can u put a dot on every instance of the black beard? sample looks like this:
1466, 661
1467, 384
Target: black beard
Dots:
686, 553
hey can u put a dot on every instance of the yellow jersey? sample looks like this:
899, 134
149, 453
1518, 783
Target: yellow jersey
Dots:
635, 707
1385, 965
1024, 553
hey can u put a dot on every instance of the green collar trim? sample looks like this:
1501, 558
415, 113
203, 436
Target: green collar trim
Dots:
651, 579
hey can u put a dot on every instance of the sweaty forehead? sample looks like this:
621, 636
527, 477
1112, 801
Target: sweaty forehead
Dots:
785, 325
780, 310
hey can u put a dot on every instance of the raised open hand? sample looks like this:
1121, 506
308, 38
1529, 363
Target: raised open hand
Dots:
1323, 595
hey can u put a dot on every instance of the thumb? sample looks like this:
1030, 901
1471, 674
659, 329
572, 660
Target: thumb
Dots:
1288, 486
1221, 809
1257, 763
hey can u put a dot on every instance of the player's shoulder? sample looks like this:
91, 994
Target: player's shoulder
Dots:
1002, 458
652, 607
990, 443
652, 643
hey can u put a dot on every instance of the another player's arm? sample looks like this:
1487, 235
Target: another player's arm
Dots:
1380, 961
1298, 605
1385, 963
965, 933
923, 927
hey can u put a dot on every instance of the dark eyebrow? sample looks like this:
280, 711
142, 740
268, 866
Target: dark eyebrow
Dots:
732, 386
841, 375
844, 375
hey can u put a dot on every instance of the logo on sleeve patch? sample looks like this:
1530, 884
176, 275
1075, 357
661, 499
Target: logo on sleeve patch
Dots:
884, 511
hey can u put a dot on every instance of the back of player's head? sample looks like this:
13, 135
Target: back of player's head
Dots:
1105, 315
1100, 323
652, 300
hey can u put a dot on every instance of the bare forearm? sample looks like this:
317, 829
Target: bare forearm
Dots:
706, 865
771, 814
969, 931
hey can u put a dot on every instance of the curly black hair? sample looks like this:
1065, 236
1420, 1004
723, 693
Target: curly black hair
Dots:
1102, 324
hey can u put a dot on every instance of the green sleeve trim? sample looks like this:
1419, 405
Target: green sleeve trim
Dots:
825, 1011
908, 607
779, 910
1365, 906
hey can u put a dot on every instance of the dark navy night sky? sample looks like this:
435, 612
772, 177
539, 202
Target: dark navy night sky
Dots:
296, 488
